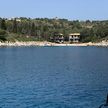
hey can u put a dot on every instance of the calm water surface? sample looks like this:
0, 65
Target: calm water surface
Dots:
53, 77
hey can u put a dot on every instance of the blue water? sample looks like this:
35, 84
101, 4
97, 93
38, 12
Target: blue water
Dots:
53, 77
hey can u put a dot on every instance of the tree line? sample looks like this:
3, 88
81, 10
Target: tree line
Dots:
44, 28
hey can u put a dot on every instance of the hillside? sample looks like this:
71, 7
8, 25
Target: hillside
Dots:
27, 29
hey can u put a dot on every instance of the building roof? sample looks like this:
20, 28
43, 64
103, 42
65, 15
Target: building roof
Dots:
78, 34
60, 34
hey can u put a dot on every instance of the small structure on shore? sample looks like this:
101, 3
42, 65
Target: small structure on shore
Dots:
74, 37
58, 38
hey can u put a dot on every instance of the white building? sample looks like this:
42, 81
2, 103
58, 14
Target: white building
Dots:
74, 37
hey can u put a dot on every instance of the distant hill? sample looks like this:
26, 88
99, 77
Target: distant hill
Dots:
43, 28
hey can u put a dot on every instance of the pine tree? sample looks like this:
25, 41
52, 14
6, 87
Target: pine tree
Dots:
33, 29
3, 24
15, 26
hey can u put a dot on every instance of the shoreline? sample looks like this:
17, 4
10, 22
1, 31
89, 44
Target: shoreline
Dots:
45, 43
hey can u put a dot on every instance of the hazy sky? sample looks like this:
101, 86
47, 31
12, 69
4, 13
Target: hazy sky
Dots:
69, 9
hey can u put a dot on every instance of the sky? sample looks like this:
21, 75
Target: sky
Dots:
68, 9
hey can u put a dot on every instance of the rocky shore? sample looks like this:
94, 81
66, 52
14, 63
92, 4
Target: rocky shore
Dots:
45, 43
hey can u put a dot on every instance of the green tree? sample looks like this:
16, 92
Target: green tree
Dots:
3, 24
33, 29
14, 26
3, 35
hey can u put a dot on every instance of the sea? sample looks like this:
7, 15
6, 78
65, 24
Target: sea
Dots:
53, 77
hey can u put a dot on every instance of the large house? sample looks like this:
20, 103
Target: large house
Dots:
74, 37
58, 37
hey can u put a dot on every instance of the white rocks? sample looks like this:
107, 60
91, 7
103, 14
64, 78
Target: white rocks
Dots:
45, 43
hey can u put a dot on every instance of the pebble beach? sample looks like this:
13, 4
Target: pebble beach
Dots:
45, 43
